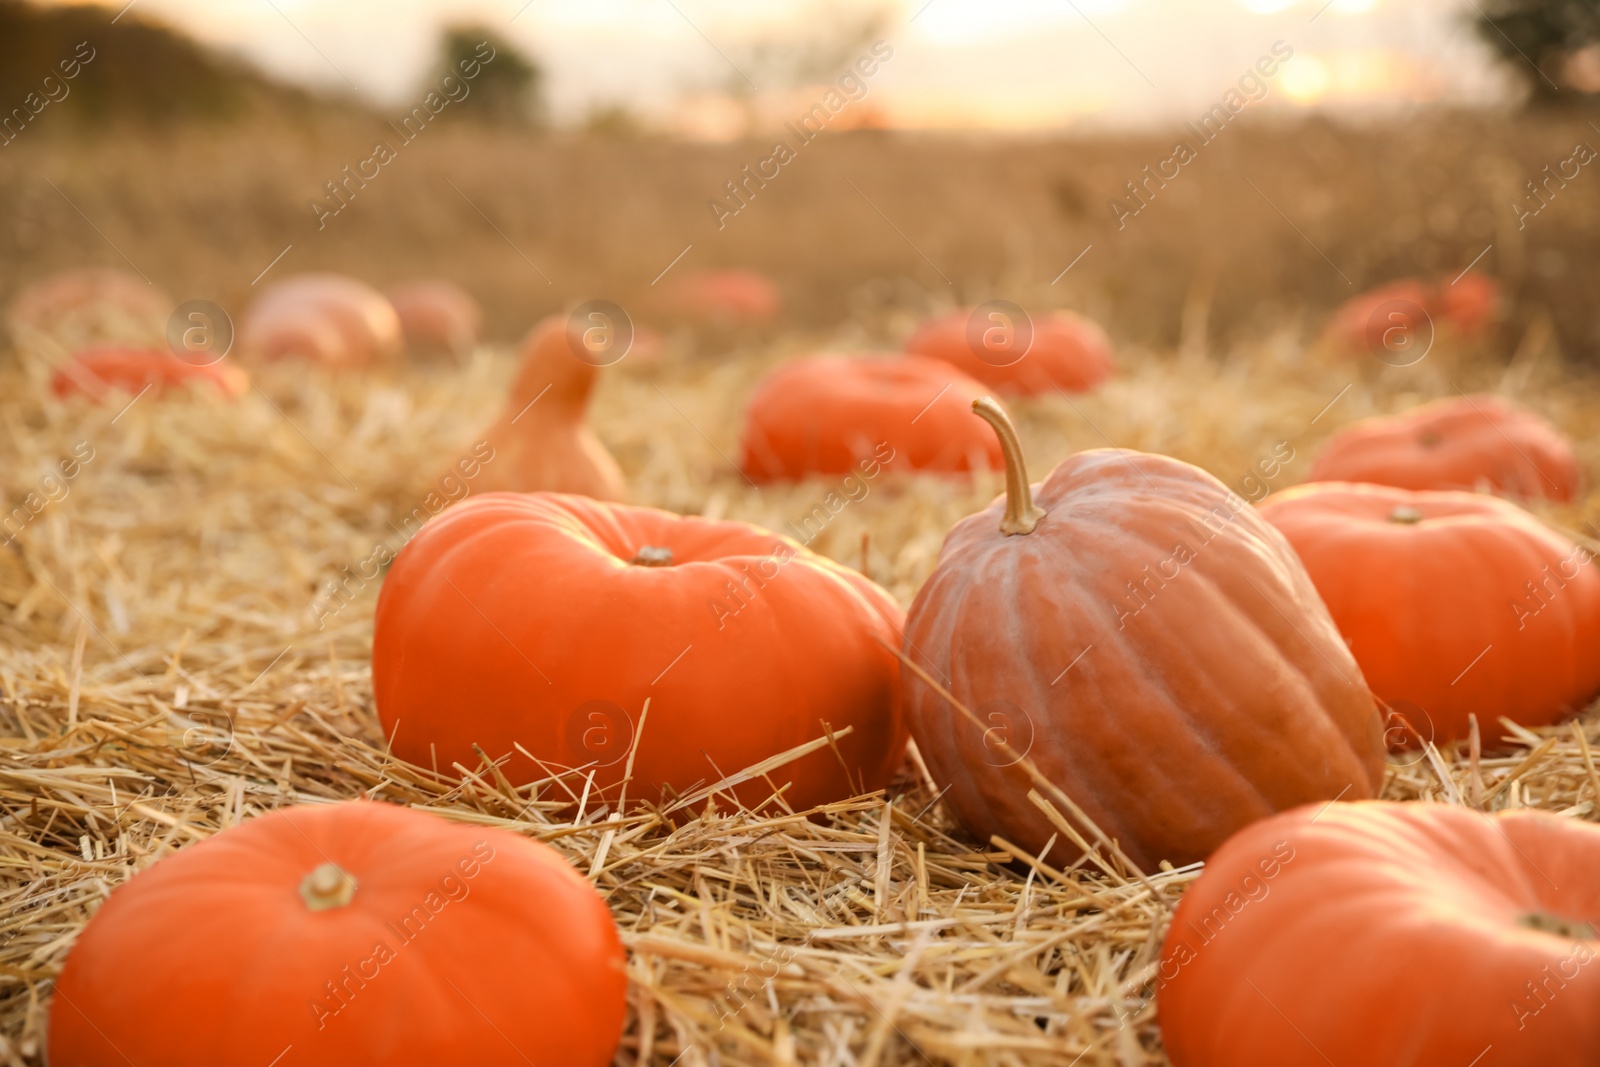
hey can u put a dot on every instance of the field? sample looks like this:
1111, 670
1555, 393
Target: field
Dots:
165, 676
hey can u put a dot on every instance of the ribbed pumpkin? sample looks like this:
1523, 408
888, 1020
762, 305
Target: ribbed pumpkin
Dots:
1466, 442
436, 316
542, 440
1453, 603
91, 304
347, 935
330, 319
110, 371
1366, 934
826, 414
541, 624
1149, 643
1055, 350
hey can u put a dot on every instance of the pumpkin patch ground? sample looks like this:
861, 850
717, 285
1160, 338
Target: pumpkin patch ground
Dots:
220, 671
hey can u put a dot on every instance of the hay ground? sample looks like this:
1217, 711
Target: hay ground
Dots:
163, 679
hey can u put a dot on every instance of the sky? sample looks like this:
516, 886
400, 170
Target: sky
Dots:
1011, 64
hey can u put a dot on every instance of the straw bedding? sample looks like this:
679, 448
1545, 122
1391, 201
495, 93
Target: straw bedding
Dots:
164, 677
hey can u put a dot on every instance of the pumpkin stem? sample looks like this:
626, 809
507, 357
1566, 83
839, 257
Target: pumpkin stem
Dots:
1553, 924
327, 887
652, 556
1406, 515
1021, 515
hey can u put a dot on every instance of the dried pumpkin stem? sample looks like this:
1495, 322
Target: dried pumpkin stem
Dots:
327, 887
1021, 515
1555, 924
652, 556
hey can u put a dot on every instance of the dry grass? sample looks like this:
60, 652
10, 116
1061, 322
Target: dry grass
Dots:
163, 679
203, 210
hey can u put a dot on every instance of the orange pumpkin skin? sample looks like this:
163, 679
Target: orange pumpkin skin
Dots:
1214, 691
725, 297
1453, 603
104, 371
826, 414
328, 318
1381, 933
1468, 303
1464, 307
111, 298
542, 440
522, 622
460, 944
1476, 442
1353, 324
437, 315
1067, 352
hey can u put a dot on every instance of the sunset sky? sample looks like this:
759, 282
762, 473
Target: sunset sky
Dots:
1044, 64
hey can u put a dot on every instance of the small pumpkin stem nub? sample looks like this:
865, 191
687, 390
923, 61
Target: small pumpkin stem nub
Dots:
327, 887
1406, 515
1553, 924
1021, 515
652, 556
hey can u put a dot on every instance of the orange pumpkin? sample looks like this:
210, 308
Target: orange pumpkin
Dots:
824, 414
1463, 306
1031, 356
1468, 442
93, 303
542, 440
1453, 603
101, 372
1149, 643
327, 318
1468, 303
1363, 322
723, 297
538, 625
1378, 933
436, 316
348, 934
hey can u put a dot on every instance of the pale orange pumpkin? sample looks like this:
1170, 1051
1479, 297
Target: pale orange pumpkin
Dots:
328, 318
91, 304
437, 316
1151, 644
542, 440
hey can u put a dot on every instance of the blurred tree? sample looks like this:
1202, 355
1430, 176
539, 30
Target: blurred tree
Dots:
1539, 38
508, 89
